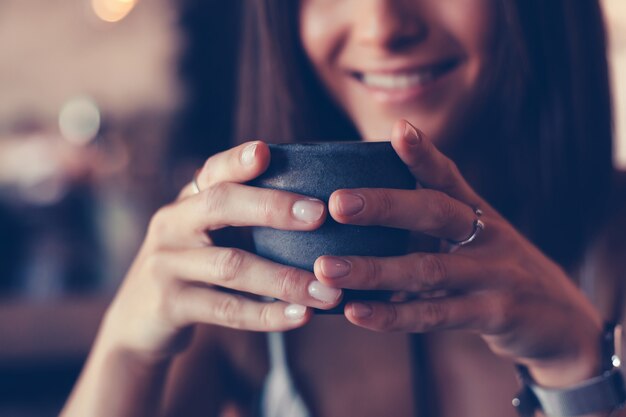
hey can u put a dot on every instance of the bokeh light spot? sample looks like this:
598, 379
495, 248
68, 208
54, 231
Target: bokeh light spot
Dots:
112, 10
79, 120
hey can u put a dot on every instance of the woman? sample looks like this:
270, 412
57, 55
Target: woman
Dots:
516, 93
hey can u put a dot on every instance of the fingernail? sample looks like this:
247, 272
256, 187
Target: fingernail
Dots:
350, 204
361, 311
411, 134
247, 156
323, 293
295, 311
335, 267
308, 211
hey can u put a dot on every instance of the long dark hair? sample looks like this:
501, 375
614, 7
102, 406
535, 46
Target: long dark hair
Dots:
542, 134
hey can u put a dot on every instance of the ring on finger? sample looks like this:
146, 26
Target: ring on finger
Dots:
477, 227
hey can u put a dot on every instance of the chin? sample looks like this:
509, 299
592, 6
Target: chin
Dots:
376, 133
373, 131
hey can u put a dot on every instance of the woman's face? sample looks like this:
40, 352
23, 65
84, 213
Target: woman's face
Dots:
382, 60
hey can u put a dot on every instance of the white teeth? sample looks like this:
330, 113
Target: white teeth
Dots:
397, 81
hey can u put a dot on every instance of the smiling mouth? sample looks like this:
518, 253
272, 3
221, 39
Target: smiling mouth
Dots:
397, 81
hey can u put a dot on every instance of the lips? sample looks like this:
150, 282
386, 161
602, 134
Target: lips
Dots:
401, 85
406, 79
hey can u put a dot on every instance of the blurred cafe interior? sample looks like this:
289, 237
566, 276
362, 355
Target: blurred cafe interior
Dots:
106, 107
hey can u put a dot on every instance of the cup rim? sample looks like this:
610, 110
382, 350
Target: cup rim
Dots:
329, 143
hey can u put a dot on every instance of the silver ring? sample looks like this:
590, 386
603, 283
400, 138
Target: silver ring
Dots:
194, 182
478, 227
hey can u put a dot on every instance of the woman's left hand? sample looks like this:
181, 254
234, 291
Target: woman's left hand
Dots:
500, 285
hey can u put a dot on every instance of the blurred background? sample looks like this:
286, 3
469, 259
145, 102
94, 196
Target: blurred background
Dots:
106, 108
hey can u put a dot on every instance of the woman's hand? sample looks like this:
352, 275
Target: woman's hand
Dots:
500, 285
179, 275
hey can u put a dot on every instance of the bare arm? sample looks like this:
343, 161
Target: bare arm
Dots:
117, 382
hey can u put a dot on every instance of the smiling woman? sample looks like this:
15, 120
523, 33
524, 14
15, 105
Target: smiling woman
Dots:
500, 111
519, 102
420, 61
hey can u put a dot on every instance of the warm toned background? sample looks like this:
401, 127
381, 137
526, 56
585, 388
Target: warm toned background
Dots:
105, 108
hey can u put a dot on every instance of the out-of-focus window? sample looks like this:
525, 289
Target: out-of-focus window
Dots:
89, 88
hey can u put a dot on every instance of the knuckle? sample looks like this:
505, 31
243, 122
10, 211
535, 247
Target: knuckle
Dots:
266, 316
208, 167
166, 301
266, 206
154, 265
160, 223
228, 264
215, 197
373, 273
512, 274
443, 210
433, 272
390, 320
449, 180
502, 317
227, 311
156, 268
384, 205
287, 282
434, 316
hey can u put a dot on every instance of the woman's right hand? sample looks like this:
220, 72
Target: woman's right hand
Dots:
174, 283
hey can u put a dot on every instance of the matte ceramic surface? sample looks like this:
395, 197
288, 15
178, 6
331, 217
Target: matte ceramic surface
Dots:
317, 170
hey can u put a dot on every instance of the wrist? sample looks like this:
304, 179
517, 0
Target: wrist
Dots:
597, 395
118, 381
581, 358
112, 344
111, 350
578, 366
148, 341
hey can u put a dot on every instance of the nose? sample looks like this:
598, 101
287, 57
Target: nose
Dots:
389, 24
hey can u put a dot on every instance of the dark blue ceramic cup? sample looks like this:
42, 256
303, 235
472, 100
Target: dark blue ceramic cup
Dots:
317, 170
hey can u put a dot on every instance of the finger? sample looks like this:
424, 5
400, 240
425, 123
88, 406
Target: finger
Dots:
242, 271
427, 211
426, 315
197, 304
230, 204
239, 164
416, 272
184, 223
430, 167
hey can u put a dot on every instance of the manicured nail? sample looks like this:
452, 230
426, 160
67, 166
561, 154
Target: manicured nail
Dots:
295, 311
333, 267
323, 293
308, 211
411, 134
350, 204
361, 311
247, 156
